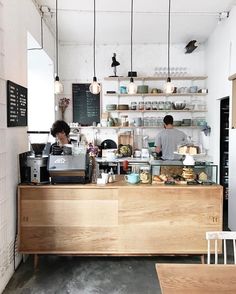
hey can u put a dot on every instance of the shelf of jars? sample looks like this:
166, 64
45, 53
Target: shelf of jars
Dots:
155, 94
157, 78
155, 111
133, 127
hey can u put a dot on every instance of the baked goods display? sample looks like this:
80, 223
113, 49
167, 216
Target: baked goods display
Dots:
188, 149
188, 174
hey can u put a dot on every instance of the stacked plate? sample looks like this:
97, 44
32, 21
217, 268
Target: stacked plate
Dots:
111, 107
142, 89
123, 107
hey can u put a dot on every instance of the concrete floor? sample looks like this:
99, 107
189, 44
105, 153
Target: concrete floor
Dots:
90, 275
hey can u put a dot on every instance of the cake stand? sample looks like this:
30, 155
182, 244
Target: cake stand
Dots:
189, 159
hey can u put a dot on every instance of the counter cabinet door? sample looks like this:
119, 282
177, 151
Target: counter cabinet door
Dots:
67, 220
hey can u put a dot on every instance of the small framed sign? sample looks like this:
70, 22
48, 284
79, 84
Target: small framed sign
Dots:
16, 105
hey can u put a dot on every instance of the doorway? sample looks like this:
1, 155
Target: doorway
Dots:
224, 152
41, 99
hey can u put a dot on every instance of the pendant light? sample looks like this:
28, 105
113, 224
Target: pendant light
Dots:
168, 87
58, 87
94, 87
132, 88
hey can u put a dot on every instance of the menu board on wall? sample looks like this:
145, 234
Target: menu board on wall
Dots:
86, 106
16, 105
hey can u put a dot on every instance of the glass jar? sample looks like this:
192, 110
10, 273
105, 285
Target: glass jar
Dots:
168, 105
124, 121
148, 105
145, 174
161, 105
133, 105
141, 105
154, 105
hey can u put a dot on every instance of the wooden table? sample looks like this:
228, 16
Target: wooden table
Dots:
196, 278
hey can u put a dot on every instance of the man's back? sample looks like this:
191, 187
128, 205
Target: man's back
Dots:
168, 139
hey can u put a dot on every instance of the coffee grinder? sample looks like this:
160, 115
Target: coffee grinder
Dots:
37, 161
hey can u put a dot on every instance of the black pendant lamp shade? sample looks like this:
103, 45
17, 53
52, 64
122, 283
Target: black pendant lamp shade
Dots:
132, 87
168, 87
94, 87
58, 87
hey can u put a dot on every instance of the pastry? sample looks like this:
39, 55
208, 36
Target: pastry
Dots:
202, 176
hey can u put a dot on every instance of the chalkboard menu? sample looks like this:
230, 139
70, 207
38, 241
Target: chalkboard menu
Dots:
86, 106
16, 105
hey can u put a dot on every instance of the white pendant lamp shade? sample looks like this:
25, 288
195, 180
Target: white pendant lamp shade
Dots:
58, 87
132, 87
168, 87
95, 88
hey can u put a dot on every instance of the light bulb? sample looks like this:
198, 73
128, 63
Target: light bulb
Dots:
58, 87
168, 87
132, 87
94, 87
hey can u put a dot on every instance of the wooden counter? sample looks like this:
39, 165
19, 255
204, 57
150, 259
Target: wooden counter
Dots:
117, 218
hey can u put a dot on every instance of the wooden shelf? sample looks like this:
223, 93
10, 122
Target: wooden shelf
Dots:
155, 111
158, 94
156, 78
132, 127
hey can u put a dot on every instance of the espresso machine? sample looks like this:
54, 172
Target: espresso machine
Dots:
33, 164
73, 168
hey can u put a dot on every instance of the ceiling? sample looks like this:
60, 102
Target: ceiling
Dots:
190, 19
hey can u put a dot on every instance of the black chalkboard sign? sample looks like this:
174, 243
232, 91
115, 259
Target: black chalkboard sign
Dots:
16, 105
86, 106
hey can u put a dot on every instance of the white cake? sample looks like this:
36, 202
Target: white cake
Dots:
185, 149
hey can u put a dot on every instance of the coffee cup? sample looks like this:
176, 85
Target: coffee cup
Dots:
105, 177
123, 89
132, 178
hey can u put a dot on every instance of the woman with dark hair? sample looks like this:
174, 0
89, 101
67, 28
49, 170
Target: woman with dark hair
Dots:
60, 130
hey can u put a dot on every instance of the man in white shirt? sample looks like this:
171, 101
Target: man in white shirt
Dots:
168, 139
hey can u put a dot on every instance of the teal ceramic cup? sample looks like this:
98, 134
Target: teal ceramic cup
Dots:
132, 178
123, 90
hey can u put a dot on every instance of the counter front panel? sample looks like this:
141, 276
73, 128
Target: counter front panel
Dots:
118, 218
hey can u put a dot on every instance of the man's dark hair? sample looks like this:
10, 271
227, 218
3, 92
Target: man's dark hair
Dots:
60, 126
168, 120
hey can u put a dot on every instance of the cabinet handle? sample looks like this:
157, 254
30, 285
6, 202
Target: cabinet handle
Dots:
214, 219
25, 218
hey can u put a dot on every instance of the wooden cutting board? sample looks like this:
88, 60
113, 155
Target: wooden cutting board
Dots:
126, 138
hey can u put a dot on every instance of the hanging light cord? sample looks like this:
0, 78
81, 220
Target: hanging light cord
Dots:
169, 39
94, 39
131, 38
56, 40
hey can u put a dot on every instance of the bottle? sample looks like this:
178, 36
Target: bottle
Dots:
111, 176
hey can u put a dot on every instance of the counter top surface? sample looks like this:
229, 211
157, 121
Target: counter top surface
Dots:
151, 161
119, 183
130, 159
